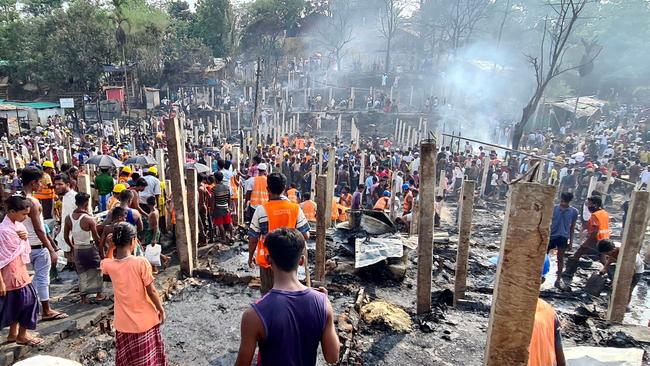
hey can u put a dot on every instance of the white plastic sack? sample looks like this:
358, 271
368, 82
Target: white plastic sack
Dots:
47, 360
152, 253
61, 260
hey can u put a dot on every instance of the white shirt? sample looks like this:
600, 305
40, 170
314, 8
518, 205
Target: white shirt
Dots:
638, 264
399, 181
645, 177
415, 165
227, 174
495, 177
248, 184
152, 189
67, 207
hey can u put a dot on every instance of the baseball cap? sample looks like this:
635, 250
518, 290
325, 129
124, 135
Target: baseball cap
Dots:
153, 170
48, 164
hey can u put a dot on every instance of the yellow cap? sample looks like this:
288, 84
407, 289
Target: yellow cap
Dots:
118, 188
127, 169
153, 170
48, 164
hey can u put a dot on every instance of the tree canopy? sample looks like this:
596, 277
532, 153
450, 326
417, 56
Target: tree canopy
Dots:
62, 45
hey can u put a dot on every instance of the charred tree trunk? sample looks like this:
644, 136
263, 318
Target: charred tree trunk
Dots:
387, 64
526, 114
338, 60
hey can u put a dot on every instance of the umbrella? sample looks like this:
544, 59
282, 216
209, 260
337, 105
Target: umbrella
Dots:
142, 160
200, 168
104, 161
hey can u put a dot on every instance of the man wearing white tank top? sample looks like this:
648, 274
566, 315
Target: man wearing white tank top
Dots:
79, 232
43, 253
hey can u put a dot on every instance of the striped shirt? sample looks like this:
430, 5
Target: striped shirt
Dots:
260, 222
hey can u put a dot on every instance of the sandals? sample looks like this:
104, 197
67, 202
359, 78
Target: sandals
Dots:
33, 342
57, 316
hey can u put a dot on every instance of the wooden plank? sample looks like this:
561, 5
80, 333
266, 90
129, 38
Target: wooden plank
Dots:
524, 240
168, 193
633, 235
413, 230
176, 175
425, 225
193, 209
83, 182
484, 177
464, 233
362, 169
236, 159
11, 157
313, 179
321, 225
160, 158
63, 157
329, 192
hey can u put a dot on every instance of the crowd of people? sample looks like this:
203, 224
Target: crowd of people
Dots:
116, 228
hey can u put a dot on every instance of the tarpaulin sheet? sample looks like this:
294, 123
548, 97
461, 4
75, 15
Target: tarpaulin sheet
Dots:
603, 356
375, 250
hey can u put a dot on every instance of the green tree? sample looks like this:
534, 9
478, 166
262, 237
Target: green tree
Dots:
144, 27
214, 24
179, 10
41, 7
183, 54
267, 21
69, 47
11, 35
266, 24
622, 27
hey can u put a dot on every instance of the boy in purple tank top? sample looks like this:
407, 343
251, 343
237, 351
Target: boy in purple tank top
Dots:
291, 320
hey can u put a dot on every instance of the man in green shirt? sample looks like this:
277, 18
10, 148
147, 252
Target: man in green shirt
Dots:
104, 184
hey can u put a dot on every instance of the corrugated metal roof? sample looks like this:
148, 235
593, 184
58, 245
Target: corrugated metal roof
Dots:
587, 105
33, 105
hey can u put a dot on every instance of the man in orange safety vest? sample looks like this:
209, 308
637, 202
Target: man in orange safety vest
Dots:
277, 212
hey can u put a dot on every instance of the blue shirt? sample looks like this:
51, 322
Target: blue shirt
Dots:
369, 184
562, 220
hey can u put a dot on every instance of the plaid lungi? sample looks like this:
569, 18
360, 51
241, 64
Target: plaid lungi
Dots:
140, 349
